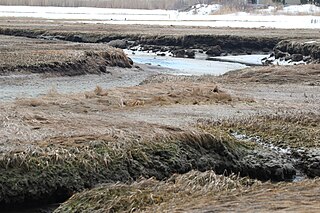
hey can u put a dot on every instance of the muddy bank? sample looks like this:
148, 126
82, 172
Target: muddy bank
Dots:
24, 56
228, 43
296, 137
88, 63
52, 174
295, 51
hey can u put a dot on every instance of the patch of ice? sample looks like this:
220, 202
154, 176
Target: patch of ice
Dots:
259, 141
184, 66
246, 59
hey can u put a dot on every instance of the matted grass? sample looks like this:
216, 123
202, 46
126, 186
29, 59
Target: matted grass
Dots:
51, 173
284, 129
150, 195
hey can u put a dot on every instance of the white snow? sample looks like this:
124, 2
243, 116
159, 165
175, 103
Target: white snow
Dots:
283, 62
203, 16
306, 9
247, 59
203, 9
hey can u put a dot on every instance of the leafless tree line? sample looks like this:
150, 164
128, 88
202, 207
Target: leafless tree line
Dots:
131, 4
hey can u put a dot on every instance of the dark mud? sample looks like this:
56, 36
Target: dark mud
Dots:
307, 51
294, 137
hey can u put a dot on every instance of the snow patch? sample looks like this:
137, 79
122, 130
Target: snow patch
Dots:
307, 9
203, 9
169, 17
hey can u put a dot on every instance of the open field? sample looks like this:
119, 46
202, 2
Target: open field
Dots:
261, 123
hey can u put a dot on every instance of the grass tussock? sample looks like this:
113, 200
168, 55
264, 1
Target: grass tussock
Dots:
161, 94
288, 130
150, 195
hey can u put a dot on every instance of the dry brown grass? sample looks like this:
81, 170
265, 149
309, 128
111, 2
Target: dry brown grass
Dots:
161, 94
23, 55
283, 197
154, 196
198, 192
307, 74
295, 130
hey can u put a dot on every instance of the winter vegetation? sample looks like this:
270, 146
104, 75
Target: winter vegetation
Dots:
132, 4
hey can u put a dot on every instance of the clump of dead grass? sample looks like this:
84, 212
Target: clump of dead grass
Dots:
99, 91
32, 102
161, 94
112, 56
293, 130
152, 195
308, 74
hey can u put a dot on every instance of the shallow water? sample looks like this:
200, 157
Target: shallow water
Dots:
185, 66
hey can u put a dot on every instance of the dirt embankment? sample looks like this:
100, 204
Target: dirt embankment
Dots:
179, 40
228, 43
297, 50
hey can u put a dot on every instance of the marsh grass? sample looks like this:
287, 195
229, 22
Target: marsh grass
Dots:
21, 55
293, 130
161, 94
81, 162
306, 74
152, 195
